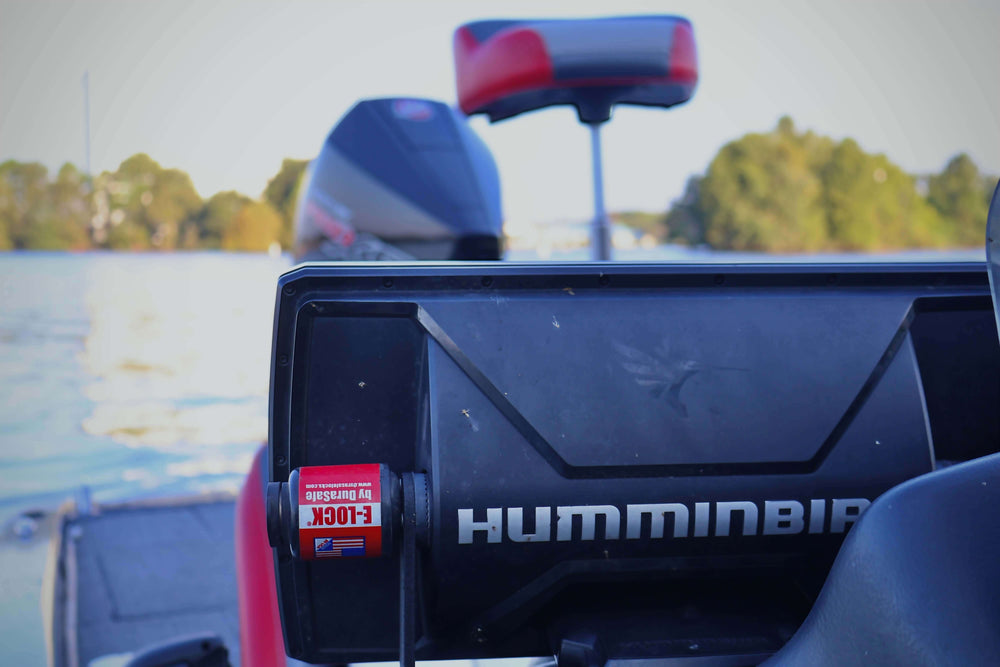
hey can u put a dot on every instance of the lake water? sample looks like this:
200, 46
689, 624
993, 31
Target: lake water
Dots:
131, 374
139, 376
134, 375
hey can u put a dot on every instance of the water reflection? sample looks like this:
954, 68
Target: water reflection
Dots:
178, 356
133, 374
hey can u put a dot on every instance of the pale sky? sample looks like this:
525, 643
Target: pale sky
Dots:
224, 90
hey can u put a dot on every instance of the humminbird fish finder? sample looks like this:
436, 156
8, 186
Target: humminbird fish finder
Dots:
600, 462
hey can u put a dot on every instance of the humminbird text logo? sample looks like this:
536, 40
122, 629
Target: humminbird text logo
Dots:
659, 520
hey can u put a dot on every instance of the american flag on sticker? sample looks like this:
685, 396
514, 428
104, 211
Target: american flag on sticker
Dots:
339, 547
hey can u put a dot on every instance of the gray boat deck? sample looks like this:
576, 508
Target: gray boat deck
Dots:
139, 574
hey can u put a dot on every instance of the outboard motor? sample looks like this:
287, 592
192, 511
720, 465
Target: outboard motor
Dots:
398, 179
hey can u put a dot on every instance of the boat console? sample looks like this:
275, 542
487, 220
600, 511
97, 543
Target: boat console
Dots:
600, 461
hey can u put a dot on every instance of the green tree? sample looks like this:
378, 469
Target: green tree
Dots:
6, 202
70, 195
128, 235
52, 233
217, 215
788, 191
174, 202
989, 185
255, 227
25, 201
39, 214
115, 225
760, 194
147, 205
648, 223
871, 204
960, 193
282, 192
685, 221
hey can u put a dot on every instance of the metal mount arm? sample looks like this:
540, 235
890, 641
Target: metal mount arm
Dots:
600, 232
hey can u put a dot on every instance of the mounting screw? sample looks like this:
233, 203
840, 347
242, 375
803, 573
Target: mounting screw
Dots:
603, 280
387, 283
487, 281
288, 290
280, 460
283, 360
719, 279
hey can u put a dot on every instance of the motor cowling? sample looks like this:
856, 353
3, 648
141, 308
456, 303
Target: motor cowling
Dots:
401, 178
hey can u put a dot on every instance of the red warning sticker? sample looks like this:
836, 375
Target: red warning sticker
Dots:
340, 511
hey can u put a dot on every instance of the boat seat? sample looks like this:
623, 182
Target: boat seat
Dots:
917, 581
507, 67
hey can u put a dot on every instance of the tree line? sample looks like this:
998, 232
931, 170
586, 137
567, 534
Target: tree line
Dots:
791, 191
139, 206
779, 191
